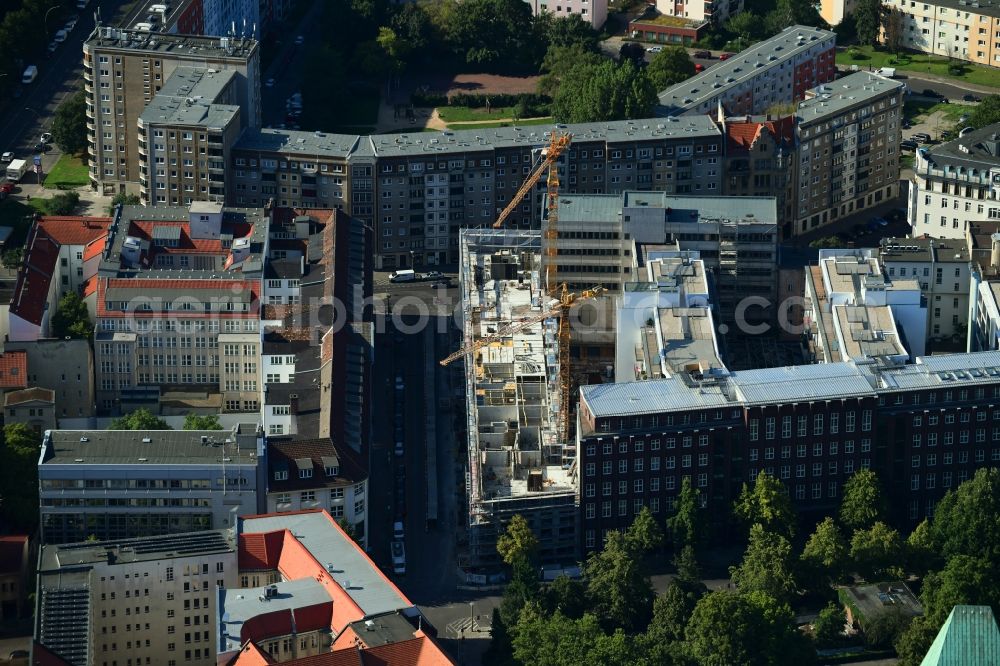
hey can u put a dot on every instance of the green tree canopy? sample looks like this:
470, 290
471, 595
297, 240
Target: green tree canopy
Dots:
868, 20
568, 31
567, 596
560, 61
863, 504
686, 524
644, 535
829, 625
967, 520
686, 563
985, 113
517, 543
202, 422
671, 611
558, 640
747, 26
877, 552
69, 124
750, 629
71, 318
921, 554
19, 476
140, 419
767, 504
669, 66
619, 589
825, 553
123, 199
494, 34
766, 566
605, 91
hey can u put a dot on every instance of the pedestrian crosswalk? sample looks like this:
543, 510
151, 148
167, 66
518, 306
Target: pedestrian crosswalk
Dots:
465, 626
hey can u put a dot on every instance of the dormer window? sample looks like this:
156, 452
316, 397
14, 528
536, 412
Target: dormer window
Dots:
332, 471
305, 473
281, 475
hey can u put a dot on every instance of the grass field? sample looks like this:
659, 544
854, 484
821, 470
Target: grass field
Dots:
69, 171
919, 62
519, 123
451, 114
919, 109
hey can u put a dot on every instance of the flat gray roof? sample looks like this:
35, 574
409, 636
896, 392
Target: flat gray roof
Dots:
293, 142
188, 98
194, 47
236, 606
351, 568
801, 383
717, 80
942, 250
187, 544
979, 149
129, 447
845, 93
648, 397
682, 208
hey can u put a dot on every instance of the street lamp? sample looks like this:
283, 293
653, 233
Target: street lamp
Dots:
45, 21
472, 615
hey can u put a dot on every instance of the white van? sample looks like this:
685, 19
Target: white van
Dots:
145, 27
31, 73
405, 275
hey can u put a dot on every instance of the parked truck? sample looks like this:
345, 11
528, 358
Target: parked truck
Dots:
16, 169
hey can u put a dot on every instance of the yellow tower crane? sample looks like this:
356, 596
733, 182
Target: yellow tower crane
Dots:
557, 145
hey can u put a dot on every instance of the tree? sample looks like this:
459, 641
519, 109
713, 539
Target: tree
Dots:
829, 625
768, 505
914, 642
140, 419
12, 258
557, 640
412, 23
825, 553
746, 25
620, 592
877, 552
920, 552
766, 566
965, 580
122, 199
202, 422
643, 536
967, 520
567, 596
606, 91
985, 113
495, 35
672, 609
71, 318
559, 61
883, 629
64, 203
863, 504
19, 476
571, 31
892, 24
501, 649
686, 524
518, 543
749, 629
686, 563
868, 19
826, 242
669, 66
69, 124
350, 529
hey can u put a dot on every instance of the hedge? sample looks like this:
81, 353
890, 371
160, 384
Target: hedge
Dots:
529, 100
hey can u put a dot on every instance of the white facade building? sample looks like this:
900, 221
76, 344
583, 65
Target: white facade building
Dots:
954, 183
594, 12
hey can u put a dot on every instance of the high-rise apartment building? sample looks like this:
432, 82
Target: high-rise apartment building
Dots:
594, 12
177, 301
118, 484
150, 600
716, 11
185, 137
960, 29
759, 160
848, 148
777, 71
124, 70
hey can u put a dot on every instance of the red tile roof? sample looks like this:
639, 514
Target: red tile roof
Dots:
34, 277
14, 369
180, 286
144, 229
741, 135
420, 650
94, 248
70, 230
90, 286
260, 551
12, 553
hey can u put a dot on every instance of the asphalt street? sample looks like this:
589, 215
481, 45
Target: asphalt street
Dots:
285, 70
58, 77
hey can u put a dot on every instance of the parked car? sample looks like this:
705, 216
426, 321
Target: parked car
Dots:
399, 449
705, 55
269, 83
698, 67
970, 98
52, 48
300, 40
908, 145
45, 138
932, 93
654, 49
725, 56
432, 275
6, 157
397, 530
60, 36
41, 147
399, 383
880, 221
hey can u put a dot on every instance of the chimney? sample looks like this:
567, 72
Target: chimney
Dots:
293, 403
995, 251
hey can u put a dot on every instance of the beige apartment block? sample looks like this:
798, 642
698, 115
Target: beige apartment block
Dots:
124, 70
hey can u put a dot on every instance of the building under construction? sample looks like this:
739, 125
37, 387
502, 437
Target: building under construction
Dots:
518, 461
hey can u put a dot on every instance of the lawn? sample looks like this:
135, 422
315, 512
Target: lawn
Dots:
917, 110
519, 123
452, 114
919, 62
70, 171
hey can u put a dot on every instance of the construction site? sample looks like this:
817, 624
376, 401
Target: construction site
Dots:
518, 462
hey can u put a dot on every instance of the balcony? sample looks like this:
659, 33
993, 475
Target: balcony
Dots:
90, 112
